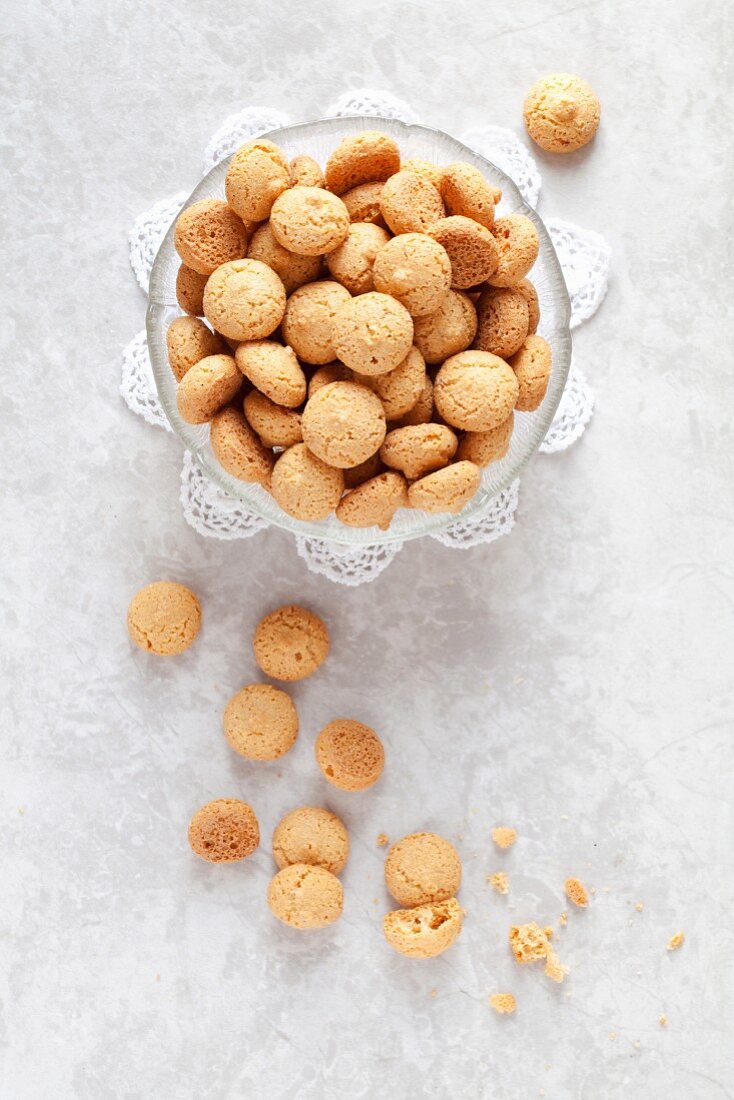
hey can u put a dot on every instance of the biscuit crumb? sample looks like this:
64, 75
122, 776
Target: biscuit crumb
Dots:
663, 1021
553, 967
637, 1044
548, 932
563, 919
612, 1035
503, 836
576, 892
499, 882
21, 810
529, 943
503, 1003
676, 941
638, 906
434, 993
382, 840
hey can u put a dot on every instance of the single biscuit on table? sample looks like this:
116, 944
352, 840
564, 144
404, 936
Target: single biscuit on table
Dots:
276, 426
305, 896
274, 370
343, 424
290, 643
207, 387
561, 113
422, 411
349, 754
422, 868
399, 389
312, 835
449, 330
465, 191
409, 203
324, 376
244, 300
363, 158
426, 168
190, 290
518, 244
471, 248
475, 391
446, 490
164, 618
261, 722
503, 320
306, 172
415, 270
365, 471
352, 262
308, 323
304, 486
426, 931
481, 448
373, 503
209, 234
363, 203
188, 340
292, 270
258, 172
309, 221
532, 365
372, 333
224, 831
419, 449
238, 449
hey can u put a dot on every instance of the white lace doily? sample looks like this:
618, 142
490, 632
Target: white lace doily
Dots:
584, 257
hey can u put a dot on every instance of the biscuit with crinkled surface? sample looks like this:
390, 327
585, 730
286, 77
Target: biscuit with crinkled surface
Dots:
365, 471
374, 502
310, 834
503, 320
422, 411
352, 262
239, 449
188, 340
306, 172
518, 244
224, 831
244, 300
292, 270
425, 931
471, 248
419, 449
261, 722
209, 234
305, 896
426, 168
324, 376
481, 448
399, 389
410, 203
274, 369
475, 391
343, 424
363, 203
465, 191
362, 158
349, 754
561, 113
415, 270
372, 333
190, 290
276, 426
164, 618
449, 330
309, 221
532, 365
422, 868
446, 490
530, 295
308, 323
304, 486
290, 643
258, 172
207, 387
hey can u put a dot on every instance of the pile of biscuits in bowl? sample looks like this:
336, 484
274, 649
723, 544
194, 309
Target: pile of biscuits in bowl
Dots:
357, 338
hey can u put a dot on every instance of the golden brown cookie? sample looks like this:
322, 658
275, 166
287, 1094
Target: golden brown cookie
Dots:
426, 168
410, 203
188, 340
481, 448
276, 426
292, 270
164, 618
373, 503
274, 370
238, 449
357, 475
343, 424
561, 113
349, 754
306, 172
305, 896
258, 172
224, 831
309, 221
426, 931
449, 330
351, 263
324, 376
422, 411
446, 490
304, 486
532, 365
190, 290
399, 389
309, 320
475, 390
363, 158
530, 295
415, 270
207, 387
290, 643
209, 234
244, 300
471, 248
261, 722
372, 333
419, 449
363, 203
465, 191
422, 868
518, 244
503, 319
311, 835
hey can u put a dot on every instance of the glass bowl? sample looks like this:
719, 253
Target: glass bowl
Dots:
319, 139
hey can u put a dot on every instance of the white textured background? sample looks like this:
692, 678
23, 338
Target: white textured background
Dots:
573, 680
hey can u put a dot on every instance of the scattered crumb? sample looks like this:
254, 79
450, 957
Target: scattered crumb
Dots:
529, 943
157, 977
504, 1003
548, 932
434, 993
382, 840
592, 890
663, 1021
563, 920
638, 906
499, 882
676, 941
637, 1044
576, 892
612, 1035
504, 836
553, 968
541, 1092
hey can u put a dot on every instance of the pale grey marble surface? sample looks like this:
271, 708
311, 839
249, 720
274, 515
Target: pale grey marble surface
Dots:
573, 680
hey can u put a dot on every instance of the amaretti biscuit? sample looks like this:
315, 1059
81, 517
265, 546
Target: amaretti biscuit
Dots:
466, 192
362, 158
275, 425
399, 389
261, 722
374, 502
306, 896
475, 390
343, 424
449, 330
422, 411
518, 244
425, 931
309, 221
311, 835
351, 263
561, 113
224, 831
422, 868
209, 234
503, 320
324, 376
258, 172
238, 448
446, 490
189, 340
363, 203
365, 471
164, 618
471, 248
349, 754
274, 370
418, 449
426, 168
292, 270
530, 295
481, 448
410, 203
190, 290
372, 333
306, 172
304, 486
290, 643
532, 366
207, 387
308, 324
244, 300
415, 270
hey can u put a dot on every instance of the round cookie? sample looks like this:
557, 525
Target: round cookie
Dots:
532, 365
410, 203
475, 390
422, 868
357, 475
363, 158
349, 754
224, 831
324, 376
530, 295
372, 333
419, 449
190, 290
188, 340
352, 262
290, 643
274, 370
304, 486
244, 300
466, 192
164, 618
363, 203
258, 172
309, 320
422, 411
399, 389
518, 244
503, 320
261, 722
292, 270
446, 490
426, 931
415, 270
561, 113
238, 449
481, 448
276, 426
311, 835
209, 234
305, 897
343, 424
449, 330
207, 387
309, 220
471, 248
426, 168
306, 172
373, 503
